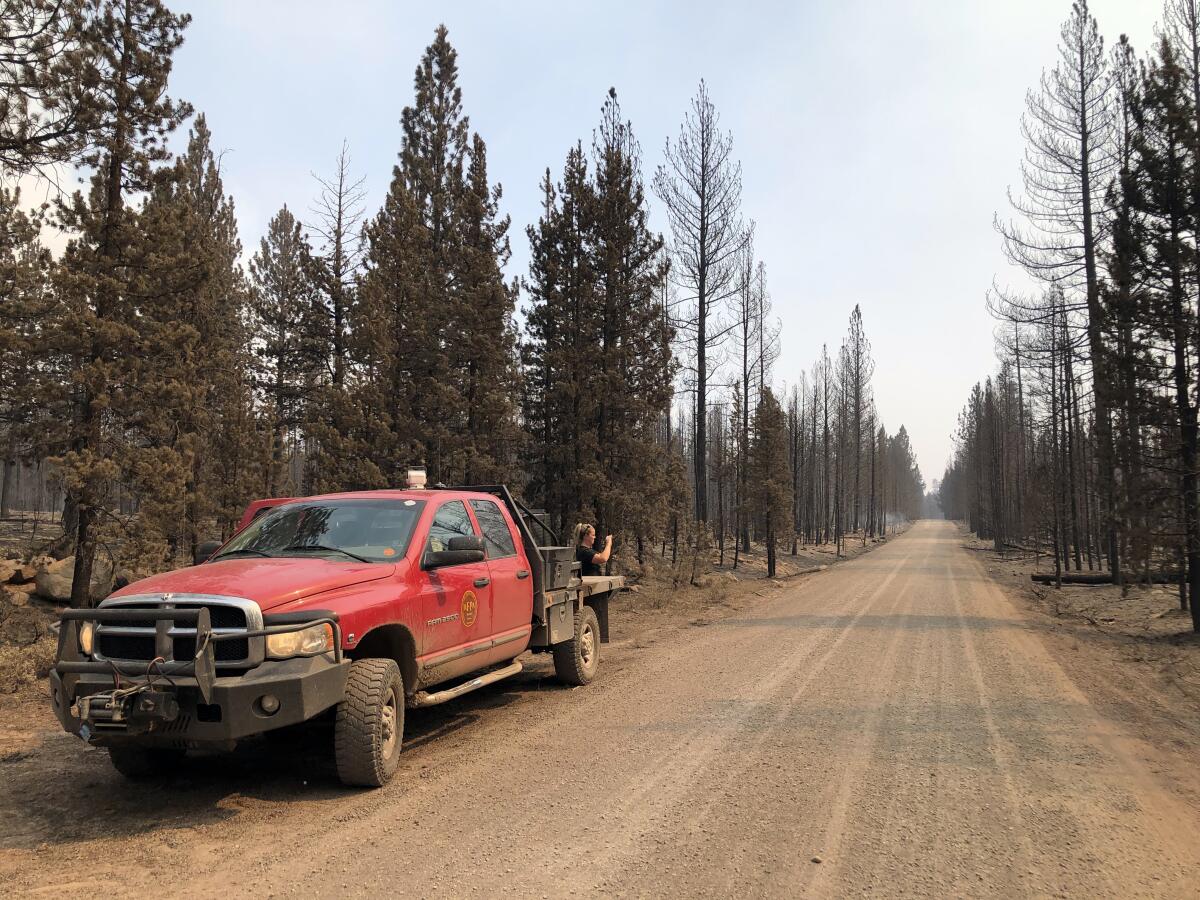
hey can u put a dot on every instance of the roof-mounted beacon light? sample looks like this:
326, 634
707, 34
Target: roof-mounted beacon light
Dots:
416, 478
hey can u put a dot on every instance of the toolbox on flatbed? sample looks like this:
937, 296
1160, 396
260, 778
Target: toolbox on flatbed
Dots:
559, 566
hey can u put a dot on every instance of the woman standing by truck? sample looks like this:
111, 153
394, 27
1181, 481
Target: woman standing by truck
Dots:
586, 553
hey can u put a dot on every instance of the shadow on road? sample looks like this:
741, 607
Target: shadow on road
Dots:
62, 791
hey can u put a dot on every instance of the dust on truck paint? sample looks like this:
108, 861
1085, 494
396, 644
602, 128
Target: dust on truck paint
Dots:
295, 619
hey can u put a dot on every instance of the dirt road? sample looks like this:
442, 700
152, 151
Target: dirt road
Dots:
892, 726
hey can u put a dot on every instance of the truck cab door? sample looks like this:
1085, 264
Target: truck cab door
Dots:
455, 601
512, 581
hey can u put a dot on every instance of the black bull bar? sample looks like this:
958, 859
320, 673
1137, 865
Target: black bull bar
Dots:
202, 667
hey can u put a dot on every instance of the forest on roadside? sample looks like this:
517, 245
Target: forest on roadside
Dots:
156, 375
1084, 443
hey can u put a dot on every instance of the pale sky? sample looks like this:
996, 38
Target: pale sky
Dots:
876, 139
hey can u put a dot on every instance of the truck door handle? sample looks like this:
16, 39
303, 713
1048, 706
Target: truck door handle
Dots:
482, 582
523, 573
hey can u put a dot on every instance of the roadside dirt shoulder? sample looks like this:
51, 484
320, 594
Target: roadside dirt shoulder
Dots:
1135, 656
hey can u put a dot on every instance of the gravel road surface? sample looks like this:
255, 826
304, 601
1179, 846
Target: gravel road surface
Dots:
893, 726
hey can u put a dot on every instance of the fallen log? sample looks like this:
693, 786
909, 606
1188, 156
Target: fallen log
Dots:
1019, 547
1100, 578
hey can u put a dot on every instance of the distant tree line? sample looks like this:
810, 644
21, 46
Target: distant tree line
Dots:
1085, 443
164, 379
841, 472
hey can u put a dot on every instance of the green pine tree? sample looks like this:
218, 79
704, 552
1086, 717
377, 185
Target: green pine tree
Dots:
194, 225
597, 357
393, 343
281, 306
483, 355
770, 474
634, 377
24, 299
120, 362
560, 351
434, 319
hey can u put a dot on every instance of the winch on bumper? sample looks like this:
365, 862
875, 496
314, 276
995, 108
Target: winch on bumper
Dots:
184, 702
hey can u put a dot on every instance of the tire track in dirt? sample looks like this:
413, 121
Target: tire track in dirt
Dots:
1004, 765
705, 788
1123, 819
652, 782
857, 758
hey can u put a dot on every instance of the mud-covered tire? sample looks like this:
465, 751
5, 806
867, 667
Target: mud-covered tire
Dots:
576, 661
369, 727
137, 763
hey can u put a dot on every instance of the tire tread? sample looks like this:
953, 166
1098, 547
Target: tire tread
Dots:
356, 748
568, 665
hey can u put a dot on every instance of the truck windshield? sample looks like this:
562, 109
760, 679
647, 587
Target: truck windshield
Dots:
377, 531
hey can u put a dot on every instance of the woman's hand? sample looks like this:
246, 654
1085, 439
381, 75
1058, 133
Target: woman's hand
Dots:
602, 557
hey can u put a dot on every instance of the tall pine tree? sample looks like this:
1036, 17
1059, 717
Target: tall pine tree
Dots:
771, 477
282, 305
192, 223
634, 379
561, 349
434, 293
598, 359
24, 299
122, 361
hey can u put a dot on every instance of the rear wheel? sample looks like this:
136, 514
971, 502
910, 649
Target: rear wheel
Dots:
145, 762
577, 660
369, 726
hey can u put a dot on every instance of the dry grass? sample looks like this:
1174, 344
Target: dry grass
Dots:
25, 533
1143, 624
25, 665
27, 645
660, 589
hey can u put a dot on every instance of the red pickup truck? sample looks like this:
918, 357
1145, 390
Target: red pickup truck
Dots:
345, 608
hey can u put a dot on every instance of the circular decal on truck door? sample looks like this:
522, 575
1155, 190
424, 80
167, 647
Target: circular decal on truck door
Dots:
469, 608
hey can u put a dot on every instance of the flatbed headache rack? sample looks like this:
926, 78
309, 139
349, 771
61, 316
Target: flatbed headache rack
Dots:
558, 586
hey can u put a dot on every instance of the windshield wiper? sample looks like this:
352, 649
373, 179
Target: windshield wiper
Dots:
243, 550
323, 549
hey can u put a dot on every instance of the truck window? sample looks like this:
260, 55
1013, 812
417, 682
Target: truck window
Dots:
451, 520
496, 536
373, 530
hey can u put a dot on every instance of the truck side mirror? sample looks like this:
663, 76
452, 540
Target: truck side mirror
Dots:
466, 542
463, 549
205, 550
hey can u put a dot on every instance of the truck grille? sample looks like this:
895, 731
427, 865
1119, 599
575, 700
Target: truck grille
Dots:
135, 642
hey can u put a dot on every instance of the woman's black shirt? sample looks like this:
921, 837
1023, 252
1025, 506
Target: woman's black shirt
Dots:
587, 556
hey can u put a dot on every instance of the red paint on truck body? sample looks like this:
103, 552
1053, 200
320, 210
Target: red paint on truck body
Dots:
431, 605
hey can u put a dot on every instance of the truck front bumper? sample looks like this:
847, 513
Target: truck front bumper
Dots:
273, 695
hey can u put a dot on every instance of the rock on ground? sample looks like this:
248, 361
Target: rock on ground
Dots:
54, 579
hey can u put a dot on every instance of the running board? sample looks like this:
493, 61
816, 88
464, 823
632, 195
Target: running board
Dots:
424, 698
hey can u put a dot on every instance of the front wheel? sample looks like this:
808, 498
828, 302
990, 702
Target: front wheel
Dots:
576, 660
369, 726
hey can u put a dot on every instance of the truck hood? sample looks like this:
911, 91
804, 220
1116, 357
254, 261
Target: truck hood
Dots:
268, 582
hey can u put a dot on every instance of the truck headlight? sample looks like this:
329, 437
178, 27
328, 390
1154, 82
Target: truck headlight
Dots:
309, 641
87, 637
